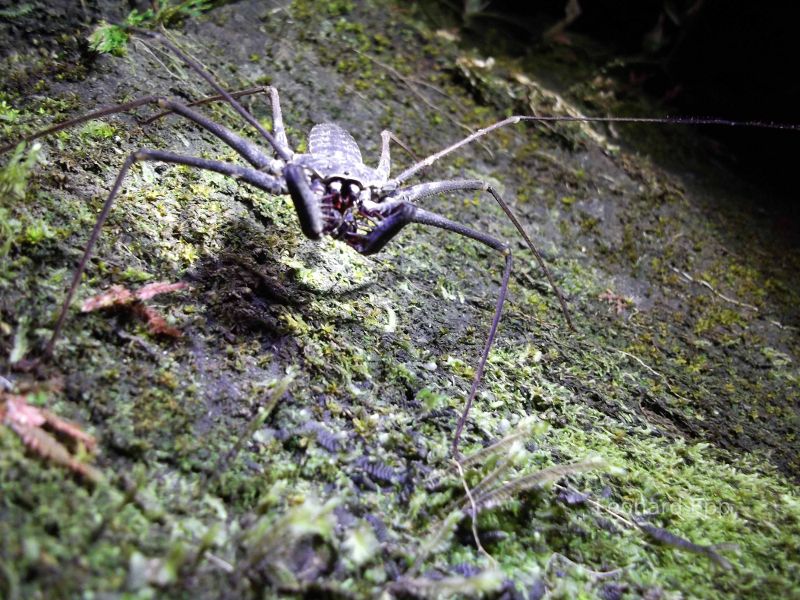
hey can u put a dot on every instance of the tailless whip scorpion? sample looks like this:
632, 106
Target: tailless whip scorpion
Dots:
334, 193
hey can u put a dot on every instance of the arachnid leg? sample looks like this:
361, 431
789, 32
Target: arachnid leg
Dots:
306, 204
103, 112
256, 178
278, 130
121, 108
207, 100
279, 141
429, 218
400, 214
249, 151
426, 162
394, 216
422, 190
283, 151
384, 164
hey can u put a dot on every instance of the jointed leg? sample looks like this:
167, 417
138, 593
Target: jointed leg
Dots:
422, 190
248, 150
281, 149
277, 118
103, 112
245, 148
251, 176
428, 218
413, 169
306, 204
278, 142
207, 100
399, 214
384, 164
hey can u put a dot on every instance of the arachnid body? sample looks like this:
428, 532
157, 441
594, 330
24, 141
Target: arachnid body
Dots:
333, 191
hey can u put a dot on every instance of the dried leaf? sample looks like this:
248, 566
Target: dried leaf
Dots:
156, 324
159, 287
18, 411
49, 448
116, 295
28, 423
615, 301
70, 429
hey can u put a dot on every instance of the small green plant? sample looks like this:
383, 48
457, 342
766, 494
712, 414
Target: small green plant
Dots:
97, 130
8, 114
110, 38
17, 11
13, 185
14, 176
9, 117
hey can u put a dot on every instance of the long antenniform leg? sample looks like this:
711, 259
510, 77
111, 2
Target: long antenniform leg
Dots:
428, 218
249, 151
426, 162
120, 108
246, 149
278, 141
274, 140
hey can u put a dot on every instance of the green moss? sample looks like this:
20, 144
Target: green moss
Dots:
8, 114
213, 480
97, 130
14, 175
109, 39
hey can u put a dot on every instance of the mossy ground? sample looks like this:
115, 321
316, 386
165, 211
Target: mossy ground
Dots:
295, 440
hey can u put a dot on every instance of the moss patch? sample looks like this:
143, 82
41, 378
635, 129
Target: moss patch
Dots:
295, 440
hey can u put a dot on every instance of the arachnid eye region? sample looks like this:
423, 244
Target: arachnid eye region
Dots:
341, 207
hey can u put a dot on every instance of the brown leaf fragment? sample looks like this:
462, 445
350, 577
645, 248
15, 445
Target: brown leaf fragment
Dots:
116, 295
615, 301
156, 324
18, 411
70, 430
49, 448
159, 287
28, 422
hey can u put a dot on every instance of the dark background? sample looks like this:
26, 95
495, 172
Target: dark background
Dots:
715, 58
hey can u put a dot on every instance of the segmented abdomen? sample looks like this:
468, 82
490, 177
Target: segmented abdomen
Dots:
333, 142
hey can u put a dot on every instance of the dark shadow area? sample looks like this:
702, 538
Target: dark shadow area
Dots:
693, 58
